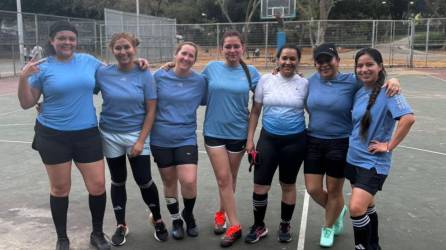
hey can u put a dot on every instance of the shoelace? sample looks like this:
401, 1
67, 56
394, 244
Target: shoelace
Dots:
220, 218
231, 231
327, 233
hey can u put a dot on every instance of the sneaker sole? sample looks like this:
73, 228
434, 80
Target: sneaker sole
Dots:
263, 235
158, 239
221, 230
285, 241
124, 241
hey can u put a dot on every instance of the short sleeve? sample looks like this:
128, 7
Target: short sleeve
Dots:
149, 86
205, 72
94, 62
258, 94
398, 106
35, 80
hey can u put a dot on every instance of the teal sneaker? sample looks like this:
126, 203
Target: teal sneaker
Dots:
338, 227
327, 237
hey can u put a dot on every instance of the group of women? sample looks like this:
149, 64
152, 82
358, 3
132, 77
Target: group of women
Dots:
349, 134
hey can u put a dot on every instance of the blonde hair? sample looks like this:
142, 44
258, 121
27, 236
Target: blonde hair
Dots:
127, 36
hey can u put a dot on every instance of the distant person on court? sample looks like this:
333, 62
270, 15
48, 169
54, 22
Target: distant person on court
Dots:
371, 144
329, 105
282, 140
128, 111
173, 138
226, 127
66, 127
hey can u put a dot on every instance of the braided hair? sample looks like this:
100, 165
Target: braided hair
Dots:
242, 63
367, 117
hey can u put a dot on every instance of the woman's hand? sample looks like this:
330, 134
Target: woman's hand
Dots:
167, 66
143, 64
29, 69
137, 149
250, 146
392, 86
378, 147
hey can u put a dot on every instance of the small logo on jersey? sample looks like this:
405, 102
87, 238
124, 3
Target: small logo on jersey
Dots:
180, 84
187, 153
123, 79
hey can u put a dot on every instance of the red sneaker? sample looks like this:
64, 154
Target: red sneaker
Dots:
234, 233
219, 222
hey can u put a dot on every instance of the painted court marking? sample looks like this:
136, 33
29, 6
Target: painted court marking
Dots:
303, 222
16, 124
423, 150
10, 112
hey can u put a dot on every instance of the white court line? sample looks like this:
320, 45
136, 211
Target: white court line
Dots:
11, 112
16, 124
22, 142
423, 150
303, 222
8, 94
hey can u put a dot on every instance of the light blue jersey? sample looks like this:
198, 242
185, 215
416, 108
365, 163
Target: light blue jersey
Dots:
67, 89
227, 102
384, 113
329, 105
176, 116
283, 103
125, 95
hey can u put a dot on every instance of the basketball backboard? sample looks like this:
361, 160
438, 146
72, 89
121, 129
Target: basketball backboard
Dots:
270, 9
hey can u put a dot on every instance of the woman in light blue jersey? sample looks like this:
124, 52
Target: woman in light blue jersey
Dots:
282, 140
371, 144
173, 138
329, 105
127, 116
66, 127
226, 127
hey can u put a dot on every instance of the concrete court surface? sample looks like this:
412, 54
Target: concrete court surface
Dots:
411, 207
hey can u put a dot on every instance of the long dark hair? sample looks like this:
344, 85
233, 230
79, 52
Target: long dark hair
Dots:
242, 63
367, 117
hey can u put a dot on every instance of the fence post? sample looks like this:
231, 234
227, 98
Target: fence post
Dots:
36, 23
412, 39
373, 33
427, 40
266, 46
218, 41
13, 60
318, 33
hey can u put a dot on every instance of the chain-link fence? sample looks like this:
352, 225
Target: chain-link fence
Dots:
157, 34
403, 43
36, 32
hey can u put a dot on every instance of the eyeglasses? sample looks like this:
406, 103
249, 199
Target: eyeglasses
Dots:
253, 159
230, 46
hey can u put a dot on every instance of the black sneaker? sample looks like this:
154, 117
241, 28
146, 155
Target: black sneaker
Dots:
118, 238
191, 226
284, 232
256, 232
99, 242
177, 229
63, 244
160, 233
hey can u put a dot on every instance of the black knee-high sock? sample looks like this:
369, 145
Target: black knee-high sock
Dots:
59, 208
118, 173
97, 209
374, 238
362, 231
173, 207
259, 204
119, 201
149, 193
188, 207
141, 172
287, 211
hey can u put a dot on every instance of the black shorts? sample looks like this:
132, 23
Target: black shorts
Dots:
166, 157
285, 151
366, 179
56, 146
326, 156
233, 146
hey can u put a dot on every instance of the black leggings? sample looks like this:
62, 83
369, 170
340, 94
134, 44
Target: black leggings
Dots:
141, 173
285, 151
